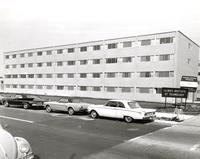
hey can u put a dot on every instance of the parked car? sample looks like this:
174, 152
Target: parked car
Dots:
14, 147
69, 105
122, 109
22, 100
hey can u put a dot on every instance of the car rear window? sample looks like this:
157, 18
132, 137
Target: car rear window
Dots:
134, 105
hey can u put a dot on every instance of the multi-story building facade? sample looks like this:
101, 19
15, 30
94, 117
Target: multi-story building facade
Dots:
124, 68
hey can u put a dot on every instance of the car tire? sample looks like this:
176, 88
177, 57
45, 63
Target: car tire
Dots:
93, 114
128, 119
26, 106
48, 109
70, 111
6, 104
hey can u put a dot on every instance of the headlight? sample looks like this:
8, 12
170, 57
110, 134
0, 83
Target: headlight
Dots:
24, 148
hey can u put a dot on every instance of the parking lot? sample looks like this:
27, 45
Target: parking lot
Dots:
58, 135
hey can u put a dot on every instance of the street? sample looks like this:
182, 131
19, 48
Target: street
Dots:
60, 136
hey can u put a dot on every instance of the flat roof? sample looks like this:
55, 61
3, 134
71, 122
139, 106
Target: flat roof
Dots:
48, 47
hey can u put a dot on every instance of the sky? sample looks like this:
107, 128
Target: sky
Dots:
28, 24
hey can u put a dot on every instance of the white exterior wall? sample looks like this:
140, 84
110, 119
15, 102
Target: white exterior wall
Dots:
136, 66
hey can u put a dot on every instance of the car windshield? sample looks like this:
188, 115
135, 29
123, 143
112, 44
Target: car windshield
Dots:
134, 105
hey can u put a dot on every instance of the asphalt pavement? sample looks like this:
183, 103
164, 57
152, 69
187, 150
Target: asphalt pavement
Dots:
60, 136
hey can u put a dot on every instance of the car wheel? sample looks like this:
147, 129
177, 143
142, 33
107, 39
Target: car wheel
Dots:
48, 109
70, 111
128, 119
93, 114
6, 104
26, 106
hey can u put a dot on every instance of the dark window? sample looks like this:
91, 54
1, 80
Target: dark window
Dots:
112, 46
145, 58
49, 52
111, 60
145, 42
83, 49
60, 51
70, 62
96, 47
166, 40
70, 50
111, 104
39, 53
127, 44
83, 75
83, 62
59, 63
14, 56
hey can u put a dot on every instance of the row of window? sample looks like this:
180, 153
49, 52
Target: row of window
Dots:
147, 90
165, 57
126, 44
146, 74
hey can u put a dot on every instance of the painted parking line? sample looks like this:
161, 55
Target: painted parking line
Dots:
17, 119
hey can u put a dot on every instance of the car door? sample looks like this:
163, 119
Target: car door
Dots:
120, 110
109, 109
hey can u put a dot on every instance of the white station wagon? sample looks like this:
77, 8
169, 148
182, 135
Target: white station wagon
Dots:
122, 109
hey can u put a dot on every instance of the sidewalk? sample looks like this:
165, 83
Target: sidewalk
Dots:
181, 141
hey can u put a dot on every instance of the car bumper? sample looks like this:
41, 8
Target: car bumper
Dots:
149, 117
27, 156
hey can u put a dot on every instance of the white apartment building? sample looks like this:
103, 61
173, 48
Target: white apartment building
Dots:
135, 67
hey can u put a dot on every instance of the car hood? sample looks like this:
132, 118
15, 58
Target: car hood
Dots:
7, 144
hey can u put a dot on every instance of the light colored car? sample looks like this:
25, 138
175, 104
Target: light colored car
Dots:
122, 109
14, 147
67, 105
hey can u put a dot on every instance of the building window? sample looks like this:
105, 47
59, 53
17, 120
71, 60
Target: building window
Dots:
22, 65
14, 76
7, 56
60, 87
111, 60
39, 86
7, 66
49, 86
96, 89
83, 75
39, 53
166, 40
70, 63
30, 75
112, 46
30, 64
146, 74
110, 74
39, 64
96, 47
30, 86
145, 58
7, 85
110, 89
14, 86
14, 56
39, 75
49, 52
158, 90
127, 59
22, 75
127, 44
59, 63
96, 61
96, 75
22, 55
70, 88
60, 51
144, 90
48, 75
164, 73
30, 54
83, 62
145, 42
49, 64
59, 75
126, 89
126, 74
22, 86
70, 50
164, 57
14, 66
7, 76
83, 49
83, 88
70, 75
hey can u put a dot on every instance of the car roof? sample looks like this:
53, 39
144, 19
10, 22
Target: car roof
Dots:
123, 100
